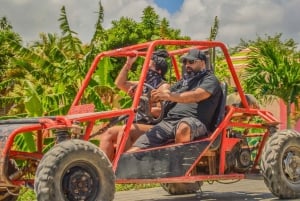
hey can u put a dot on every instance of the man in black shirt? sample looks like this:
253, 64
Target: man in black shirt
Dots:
193, 101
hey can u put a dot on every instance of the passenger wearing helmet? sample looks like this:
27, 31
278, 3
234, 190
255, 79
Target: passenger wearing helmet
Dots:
158, 67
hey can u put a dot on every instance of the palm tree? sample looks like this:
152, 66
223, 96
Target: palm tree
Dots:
274, 70
213, 34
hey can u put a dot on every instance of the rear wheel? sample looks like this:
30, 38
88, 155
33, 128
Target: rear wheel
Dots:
74, 170
280, 164
181, 188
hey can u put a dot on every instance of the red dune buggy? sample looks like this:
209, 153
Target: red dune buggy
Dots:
244, 142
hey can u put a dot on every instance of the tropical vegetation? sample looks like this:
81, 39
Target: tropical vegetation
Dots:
48, 73
43, 77
274, 71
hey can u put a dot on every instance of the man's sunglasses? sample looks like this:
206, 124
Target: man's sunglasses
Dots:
185, 61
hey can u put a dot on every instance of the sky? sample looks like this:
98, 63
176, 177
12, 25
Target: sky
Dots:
238, 19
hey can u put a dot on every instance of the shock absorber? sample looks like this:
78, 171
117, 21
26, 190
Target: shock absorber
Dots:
61, 135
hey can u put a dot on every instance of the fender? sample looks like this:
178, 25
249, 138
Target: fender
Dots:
6, 131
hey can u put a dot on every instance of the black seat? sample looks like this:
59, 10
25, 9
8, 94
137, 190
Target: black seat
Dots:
219, 116
220, 111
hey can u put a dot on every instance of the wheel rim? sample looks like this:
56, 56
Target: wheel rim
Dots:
80, 181
291, 164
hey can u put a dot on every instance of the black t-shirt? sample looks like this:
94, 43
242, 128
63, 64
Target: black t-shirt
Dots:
155, 80
203, 110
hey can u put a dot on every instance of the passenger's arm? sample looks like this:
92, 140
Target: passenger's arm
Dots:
122, 81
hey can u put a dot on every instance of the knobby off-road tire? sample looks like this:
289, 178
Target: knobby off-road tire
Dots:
181, 188
75, 170
280, 172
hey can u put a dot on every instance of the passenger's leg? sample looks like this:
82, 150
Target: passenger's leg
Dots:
136, 131
108, 139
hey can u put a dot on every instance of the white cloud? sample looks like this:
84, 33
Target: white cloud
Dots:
238, 19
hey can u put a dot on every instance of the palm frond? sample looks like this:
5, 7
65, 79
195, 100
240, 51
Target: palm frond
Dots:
101, 74
70, 41
99, 30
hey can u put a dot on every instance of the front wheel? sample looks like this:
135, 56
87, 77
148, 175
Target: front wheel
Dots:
280, 164
75, 170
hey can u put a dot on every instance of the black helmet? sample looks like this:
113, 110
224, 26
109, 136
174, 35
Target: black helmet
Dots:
160, 62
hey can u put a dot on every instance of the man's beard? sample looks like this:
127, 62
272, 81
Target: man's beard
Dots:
189, 73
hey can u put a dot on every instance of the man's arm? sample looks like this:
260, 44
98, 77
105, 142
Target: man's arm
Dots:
194, 96
122, 81
156, 108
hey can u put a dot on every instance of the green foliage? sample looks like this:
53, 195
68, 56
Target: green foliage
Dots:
221, 69
274, 70
123, 33
25, 142
32, 101
104, 69
48, 144
27, 195
56, 65
6, 52
126, 31
53, 64
126, 187
150, 24
4, 24
70, 43
99, 30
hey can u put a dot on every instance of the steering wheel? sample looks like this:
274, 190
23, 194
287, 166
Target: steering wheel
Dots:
145, 106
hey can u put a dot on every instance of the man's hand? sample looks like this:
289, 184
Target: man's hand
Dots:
129, 62
160, 95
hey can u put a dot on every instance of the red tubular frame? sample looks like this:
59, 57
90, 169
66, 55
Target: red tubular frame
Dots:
146, 49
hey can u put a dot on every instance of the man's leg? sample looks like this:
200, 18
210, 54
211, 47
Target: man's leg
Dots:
156, 136
108, 139
183, 133
188, 129
133, 149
